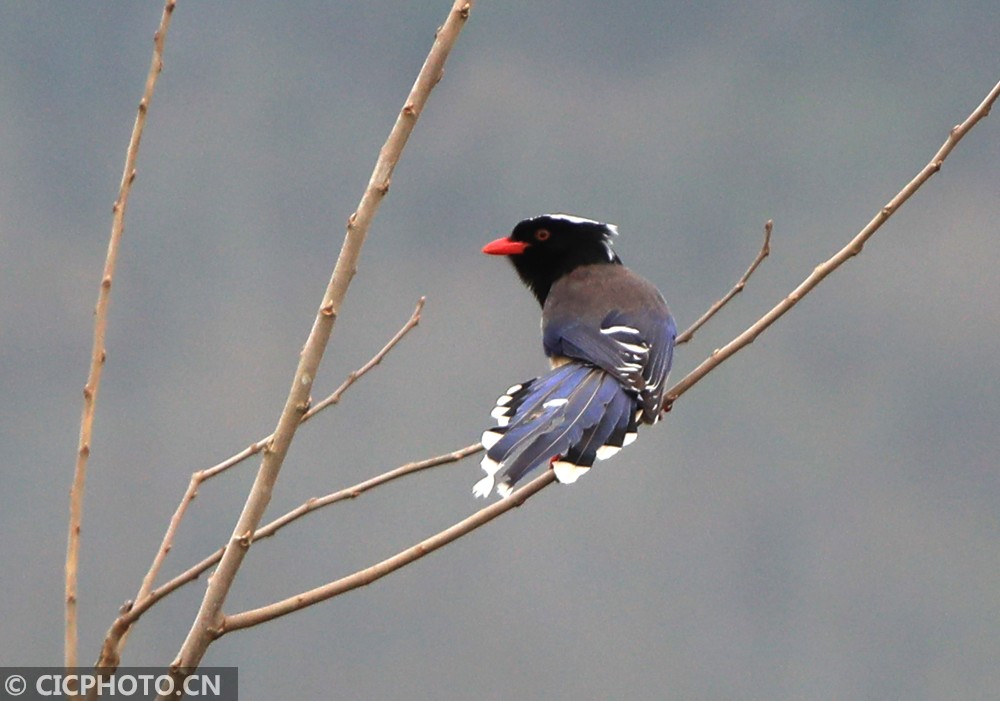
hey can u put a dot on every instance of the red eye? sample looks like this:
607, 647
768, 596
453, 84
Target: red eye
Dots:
542, 235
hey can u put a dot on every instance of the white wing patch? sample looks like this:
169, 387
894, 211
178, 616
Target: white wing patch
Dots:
634, 347
612, 330
633, 351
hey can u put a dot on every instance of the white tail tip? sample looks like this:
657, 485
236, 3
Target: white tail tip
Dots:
483, 487
567, 472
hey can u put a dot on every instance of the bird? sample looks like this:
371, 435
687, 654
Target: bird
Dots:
609, 337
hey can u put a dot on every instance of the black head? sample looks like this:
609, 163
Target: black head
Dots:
545, 248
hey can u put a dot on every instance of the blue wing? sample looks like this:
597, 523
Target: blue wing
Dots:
637, 349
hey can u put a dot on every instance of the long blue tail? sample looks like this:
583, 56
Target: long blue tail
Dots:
572, 416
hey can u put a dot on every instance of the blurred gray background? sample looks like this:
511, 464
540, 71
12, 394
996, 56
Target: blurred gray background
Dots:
818, 519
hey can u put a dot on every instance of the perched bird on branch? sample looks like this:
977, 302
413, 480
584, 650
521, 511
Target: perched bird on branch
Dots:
610, 339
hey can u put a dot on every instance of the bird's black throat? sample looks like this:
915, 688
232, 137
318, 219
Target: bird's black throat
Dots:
557, 244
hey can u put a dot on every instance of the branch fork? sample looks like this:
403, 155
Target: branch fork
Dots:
211, 622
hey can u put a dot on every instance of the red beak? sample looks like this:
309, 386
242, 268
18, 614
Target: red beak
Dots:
504, 247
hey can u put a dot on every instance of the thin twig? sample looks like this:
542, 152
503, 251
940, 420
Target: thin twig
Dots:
765, 249
132, 611
852, 249
335, 396
316, 503
368, 575
360, 578
330, 399
357, 490
118, 635
98, 351
210, 616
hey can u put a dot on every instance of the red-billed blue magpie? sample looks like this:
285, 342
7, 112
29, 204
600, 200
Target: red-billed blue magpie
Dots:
610, 339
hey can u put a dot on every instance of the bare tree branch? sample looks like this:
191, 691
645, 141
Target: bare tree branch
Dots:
330, 400
765, 249
389, 565
368, 575
335, 396
117, 636
209, 617
314, 504
98, 352
852, 249
361, 487
131, 612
